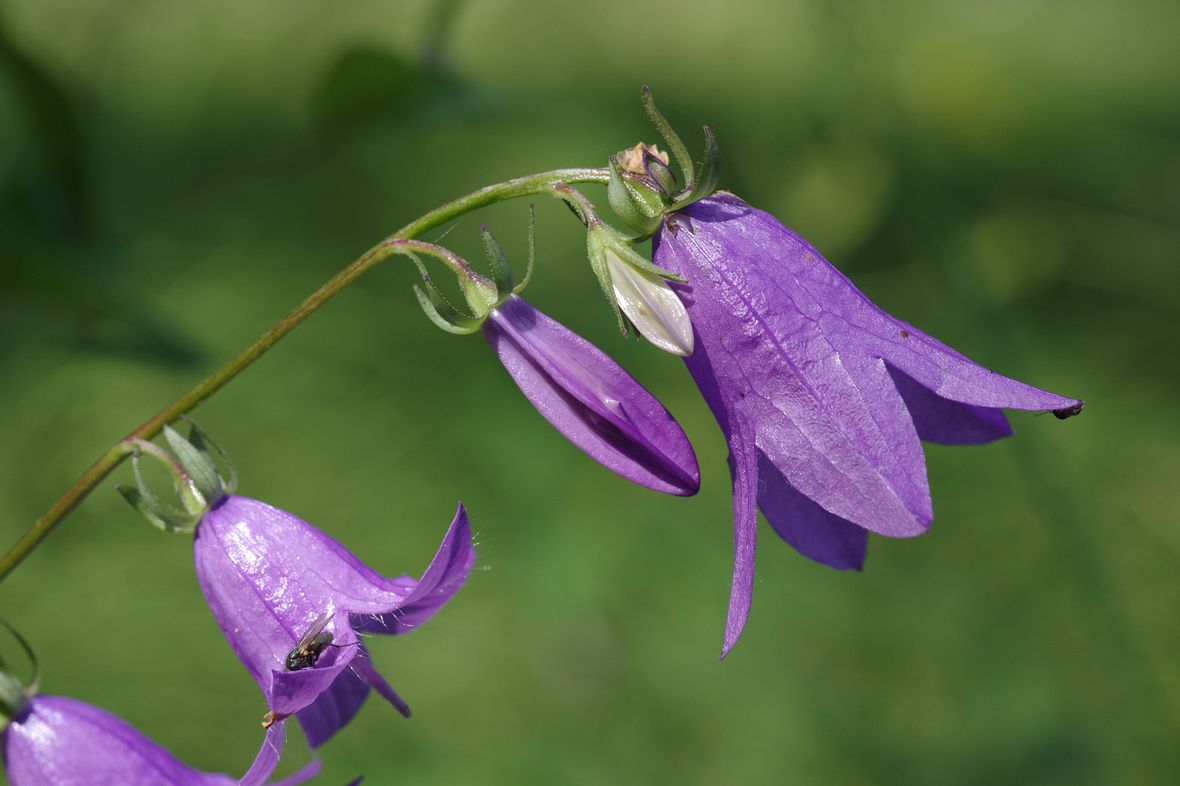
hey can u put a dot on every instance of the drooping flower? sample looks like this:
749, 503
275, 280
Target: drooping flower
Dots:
822, 396
588, 397
591, 400
58, 741
292, 601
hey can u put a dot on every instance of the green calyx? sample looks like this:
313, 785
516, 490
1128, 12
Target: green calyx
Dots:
481, 293
192, 463
642, 187
636, 200
12, 698
14, 695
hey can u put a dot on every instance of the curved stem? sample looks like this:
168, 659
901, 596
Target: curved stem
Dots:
542, 183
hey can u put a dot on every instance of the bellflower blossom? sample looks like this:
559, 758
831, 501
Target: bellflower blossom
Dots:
57, 741
822, 396
591, 400
271, 578
587, 397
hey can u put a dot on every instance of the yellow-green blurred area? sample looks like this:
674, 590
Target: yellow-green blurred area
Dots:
175, 176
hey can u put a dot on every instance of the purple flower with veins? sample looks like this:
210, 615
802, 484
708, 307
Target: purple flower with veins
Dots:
292, 601
591, 400
56, 741
822, 396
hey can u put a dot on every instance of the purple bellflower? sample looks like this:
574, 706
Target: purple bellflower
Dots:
576, 386
591, 400
822, 396
57, 741
292, 601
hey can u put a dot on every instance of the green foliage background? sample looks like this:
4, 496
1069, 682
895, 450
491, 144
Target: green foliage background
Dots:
174, 176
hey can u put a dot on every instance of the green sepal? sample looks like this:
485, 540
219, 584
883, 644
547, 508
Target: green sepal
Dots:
14, 695
13, 698
597, 257
194, 503
528, 270
602, 236
199, 467
479, 292
439, 310
640, 207
213, 453
635, 259
498, 262
671, 138
710, 173
157, 517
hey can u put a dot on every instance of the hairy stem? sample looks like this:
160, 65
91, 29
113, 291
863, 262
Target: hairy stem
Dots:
546, 183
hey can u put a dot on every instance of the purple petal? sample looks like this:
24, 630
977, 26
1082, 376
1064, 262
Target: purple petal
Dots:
757, 242
291, 691
268, 759
813, 531
423, 598
58, 740
829, 418
364, 667
837, 391
948, 422
307, 772
268, 756
334, 708
591, 400
743, 462
941, 369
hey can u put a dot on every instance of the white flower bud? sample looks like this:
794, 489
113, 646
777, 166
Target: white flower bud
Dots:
650, 304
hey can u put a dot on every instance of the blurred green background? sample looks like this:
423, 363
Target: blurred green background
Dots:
174, 176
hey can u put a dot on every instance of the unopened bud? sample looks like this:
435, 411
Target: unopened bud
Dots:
638, 289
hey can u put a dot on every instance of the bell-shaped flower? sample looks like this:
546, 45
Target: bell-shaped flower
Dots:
57, 741
292, 601
591, 400
822, 396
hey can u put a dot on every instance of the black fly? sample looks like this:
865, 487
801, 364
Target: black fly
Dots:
311, 644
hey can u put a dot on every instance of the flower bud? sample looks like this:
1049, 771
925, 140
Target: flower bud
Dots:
638, 289
636, 198
650, 162
591, 400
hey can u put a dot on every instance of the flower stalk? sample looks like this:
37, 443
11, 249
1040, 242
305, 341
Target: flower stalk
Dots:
553, 183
